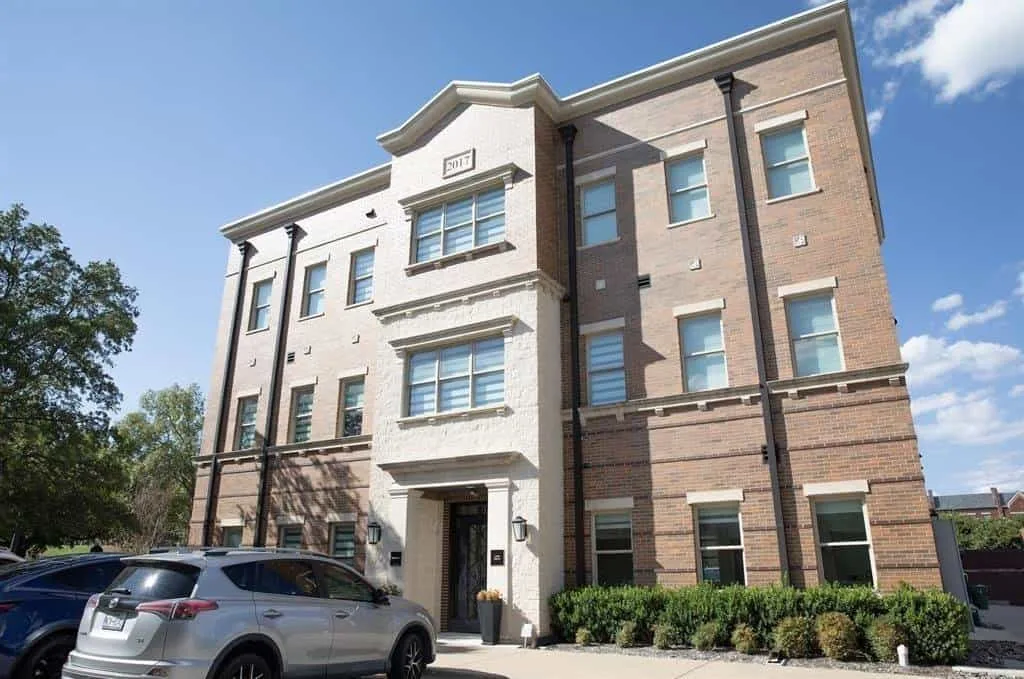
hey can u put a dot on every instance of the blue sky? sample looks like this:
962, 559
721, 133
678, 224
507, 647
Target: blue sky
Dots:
140, 127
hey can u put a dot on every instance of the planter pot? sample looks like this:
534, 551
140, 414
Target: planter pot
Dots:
489, 613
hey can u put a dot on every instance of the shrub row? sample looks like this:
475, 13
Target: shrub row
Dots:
933, 624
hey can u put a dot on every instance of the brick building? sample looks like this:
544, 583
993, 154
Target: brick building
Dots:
993, 504
395, 351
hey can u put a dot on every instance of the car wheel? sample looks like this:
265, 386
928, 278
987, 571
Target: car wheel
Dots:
46, 659
410, 660
246, 666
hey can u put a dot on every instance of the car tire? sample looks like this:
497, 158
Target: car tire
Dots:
410, 658
47, 658
246, 666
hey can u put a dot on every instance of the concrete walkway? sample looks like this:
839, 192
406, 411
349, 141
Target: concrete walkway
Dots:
465, 661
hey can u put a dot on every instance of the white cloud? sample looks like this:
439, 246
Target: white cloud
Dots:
922, 405
1004, 471
974, 46
876, 114
933, 357
948, 303
992, 311
976, 422
1017, 390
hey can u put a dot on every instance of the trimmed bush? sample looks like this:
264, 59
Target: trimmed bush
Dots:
744, 639
602, 610
884, 635
584, 637
627, 637
707, 636
665, 636
837, 636
936, 625
795, 637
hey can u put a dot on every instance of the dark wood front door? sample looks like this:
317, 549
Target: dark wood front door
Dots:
467, 564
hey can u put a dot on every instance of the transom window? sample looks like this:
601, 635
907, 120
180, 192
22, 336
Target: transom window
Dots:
302, 414
721, 545
290, 536
815, 335
313, 295
247, 422
787, 163
361, 285
613, 548
598, 212
843, 539
259, 315
350, 422
606, 371
231, 536
460, 225
343, 541
703, 352
687, 189
457, 378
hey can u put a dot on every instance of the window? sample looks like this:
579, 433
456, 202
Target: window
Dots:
360, 288
341, 583
843, 537
815, 335
787, 163
613, 549
687, 189
278, 576
721, 545
90, 578
350, 422
460, 225
289, 536
151, 581
598, 202
606, 372
231, 536
703, 352
259, 314
247, 422
302, 414
313, 297
343, 541
456, 378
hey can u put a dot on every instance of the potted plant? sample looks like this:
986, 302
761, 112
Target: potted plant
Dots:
488, 611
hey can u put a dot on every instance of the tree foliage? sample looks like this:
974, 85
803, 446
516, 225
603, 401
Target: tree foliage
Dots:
974, 532
61, 325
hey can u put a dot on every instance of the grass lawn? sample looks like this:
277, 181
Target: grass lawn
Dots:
64, 551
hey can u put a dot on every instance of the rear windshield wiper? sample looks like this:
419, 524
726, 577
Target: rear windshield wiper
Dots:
119, 590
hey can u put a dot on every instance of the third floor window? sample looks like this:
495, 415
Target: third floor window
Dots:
259, 315
313, 292
460, 225
814, 332
598, 212
687, 189
360, 287
703, 352
606, 371
787, 163
457, 378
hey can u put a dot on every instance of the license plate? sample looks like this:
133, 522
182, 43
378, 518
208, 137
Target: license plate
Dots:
113, 622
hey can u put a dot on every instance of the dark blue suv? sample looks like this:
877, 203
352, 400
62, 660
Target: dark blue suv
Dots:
41, 604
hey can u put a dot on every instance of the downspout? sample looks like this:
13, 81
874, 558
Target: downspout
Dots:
568, 133
273, 406
724, 83
225, 391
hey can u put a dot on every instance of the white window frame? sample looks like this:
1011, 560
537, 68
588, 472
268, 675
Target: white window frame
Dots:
343, 409
621, 368
240, 425
294, 414
581, 189
742, 547
307, 292
282, 529
781, 129
594, 552
789, 300
437, 379
255, 308
354, 278
682, 157
445, 228
682, 347
868, 542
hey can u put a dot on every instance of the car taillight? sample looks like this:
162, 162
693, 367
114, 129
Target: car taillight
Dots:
177, 609
7, 606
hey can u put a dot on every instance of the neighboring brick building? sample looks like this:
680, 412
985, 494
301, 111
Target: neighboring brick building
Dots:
993, 503
394, 349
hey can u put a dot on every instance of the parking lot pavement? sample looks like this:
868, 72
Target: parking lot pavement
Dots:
1010, 618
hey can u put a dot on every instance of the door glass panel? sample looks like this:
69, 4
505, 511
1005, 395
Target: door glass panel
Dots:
343, 584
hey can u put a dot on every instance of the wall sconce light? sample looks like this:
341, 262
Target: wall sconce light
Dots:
519, 529
373, 532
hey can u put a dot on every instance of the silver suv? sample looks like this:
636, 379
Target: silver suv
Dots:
247, 614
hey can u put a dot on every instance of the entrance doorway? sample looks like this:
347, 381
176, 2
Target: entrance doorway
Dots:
467, 563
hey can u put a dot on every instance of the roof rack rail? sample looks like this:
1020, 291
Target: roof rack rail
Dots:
221, 550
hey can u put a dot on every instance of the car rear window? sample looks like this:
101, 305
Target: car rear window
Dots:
151, 581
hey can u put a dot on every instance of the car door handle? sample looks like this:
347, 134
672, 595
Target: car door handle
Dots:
342, 614
271, 613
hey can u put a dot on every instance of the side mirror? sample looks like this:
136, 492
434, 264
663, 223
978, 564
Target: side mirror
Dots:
380, 597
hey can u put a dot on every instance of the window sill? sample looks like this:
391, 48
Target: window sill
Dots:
455, 257
617, 239
312, 316
782, 199
356, 305
257, 331
437, 418
692, 221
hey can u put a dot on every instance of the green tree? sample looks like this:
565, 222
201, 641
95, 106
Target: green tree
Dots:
162, 440
973, 532
61, 325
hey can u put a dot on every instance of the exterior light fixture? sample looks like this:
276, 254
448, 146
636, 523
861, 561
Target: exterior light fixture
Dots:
373, 532
519, 529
